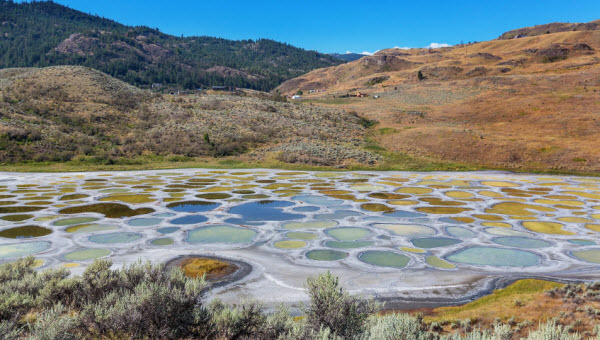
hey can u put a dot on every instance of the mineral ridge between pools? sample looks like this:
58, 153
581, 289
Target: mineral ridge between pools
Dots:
386, 233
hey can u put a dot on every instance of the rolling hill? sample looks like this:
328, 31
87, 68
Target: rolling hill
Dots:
74, 113
40, 34
528, 103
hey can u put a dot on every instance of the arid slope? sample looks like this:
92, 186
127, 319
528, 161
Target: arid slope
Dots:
529, 103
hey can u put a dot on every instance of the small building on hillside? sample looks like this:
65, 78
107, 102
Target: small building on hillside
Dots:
296, 97
156, 85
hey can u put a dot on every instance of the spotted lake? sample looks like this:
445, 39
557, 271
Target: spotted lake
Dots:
390, 234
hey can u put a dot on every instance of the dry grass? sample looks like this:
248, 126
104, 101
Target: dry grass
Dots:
522, 114
524, 305
213, 269
501, 304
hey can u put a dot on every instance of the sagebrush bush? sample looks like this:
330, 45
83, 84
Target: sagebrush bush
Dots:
396, 327
332, 307
145, 301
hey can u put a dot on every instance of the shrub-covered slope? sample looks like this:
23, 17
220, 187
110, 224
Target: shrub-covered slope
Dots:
65, 112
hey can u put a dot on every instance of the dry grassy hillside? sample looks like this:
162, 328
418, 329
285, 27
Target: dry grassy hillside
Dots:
75, 113
528, 103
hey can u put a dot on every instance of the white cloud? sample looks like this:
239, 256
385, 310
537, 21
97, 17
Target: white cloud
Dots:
363, 53
432, 45
437, 45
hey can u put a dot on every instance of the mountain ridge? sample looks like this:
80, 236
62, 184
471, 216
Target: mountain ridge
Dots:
40, 34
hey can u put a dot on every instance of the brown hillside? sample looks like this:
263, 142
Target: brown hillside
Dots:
554, 27
71, 112
529, 103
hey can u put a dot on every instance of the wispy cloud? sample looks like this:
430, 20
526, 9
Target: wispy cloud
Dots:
363, 53
437, 45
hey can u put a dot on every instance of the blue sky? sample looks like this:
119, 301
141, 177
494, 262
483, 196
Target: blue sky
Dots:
340, 26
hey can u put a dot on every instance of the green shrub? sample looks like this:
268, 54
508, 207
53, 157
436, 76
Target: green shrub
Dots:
332, 307
396, 327
56, 323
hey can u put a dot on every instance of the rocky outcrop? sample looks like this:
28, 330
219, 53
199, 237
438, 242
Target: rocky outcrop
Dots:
79, 44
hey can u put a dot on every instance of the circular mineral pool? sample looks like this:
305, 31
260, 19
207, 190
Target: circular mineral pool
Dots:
110, 210
190, 219
384, 259
75, 220
144, 221
289, 244
165, 241
592, 255
505, 232
434, 242
306, 209
377, 207
264, 211
310, 225
439, 263
89, 228
14, 250
164, 215
19, 209
16, 218
367, 187
193, 206
348, 244
115, 191
492, 256
221, 234
28, 231
582, 242
86, 254
214, 196
299, 235
406, 229
115, 238
168, 230
521, 242
443, 210
326, 255
348, 233
546, 227
460, 232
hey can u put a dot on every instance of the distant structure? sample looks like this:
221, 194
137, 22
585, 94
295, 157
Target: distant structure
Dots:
296, 97
224, 88
156, 85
